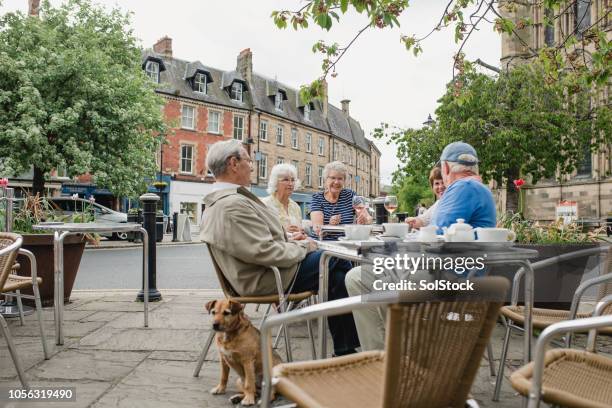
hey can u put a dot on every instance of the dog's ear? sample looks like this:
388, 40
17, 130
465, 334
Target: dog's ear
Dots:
209, 306
235, 307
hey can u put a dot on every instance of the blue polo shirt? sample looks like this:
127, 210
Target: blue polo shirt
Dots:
468, 199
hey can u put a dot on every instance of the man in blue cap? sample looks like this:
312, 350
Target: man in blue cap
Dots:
465, 196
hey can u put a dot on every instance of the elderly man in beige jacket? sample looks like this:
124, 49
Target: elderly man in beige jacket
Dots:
246, 238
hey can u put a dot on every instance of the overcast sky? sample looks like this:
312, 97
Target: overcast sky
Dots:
383, 81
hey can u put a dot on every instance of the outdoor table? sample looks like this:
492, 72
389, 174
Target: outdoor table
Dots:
328, 229
60, 232
353, 251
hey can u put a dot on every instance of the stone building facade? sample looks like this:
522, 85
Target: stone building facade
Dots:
205, 105
590, 186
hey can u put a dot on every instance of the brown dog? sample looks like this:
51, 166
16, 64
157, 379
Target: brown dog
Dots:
238, 342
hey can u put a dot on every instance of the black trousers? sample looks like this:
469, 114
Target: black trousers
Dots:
342, 327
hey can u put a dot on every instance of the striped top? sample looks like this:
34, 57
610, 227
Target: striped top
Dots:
344, 207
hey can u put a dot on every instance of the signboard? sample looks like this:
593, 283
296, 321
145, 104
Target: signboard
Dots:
567, 211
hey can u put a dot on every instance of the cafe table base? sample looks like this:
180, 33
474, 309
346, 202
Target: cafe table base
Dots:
60, 232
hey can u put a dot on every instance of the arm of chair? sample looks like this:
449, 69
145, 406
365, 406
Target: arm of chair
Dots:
546, 337
15, 245
279, 288
33, 265
599, 308
332, 308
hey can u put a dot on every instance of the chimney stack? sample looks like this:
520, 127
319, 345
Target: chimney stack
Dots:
33, 7
325, 99
345, 107
244, 65
164, 46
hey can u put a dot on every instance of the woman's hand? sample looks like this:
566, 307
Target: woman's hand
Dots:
294, 228
414, 222
363, 217
335, 219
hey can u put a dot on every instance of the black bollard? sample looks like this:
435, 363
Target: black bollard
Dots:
174, 227
149, 212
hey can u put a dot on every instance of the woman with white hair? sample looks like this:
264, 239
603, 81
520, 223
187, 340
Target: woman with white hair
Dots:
283, 181
334, 206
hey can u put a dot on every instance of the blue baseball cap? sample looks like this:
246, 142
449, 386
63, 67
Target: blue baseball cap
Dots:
460, 152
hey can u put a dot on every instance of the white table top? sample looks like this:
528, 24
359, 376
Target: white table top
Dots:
88, 227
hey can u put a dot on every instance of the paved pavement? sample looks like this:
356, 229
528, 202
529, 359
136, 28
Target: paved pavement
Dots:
113, 361
167, 240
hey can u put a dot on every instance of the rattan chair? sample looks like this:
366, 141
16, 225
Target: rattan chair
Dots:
566, 377
434, 345
513, 315
10, 284
282, 300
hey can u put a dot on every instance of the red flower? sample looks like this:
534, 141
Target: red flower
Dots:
518, 183
3, 182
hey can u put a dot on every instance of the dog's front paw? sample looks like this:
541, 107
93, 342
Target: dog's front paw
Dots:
248, 400
219, 389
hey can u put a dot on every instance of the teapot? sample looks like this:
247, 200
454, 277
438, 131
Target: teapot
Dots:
459, 232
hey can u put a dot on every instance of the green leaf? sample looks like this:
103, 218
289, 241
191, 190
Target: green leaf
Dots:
344, 5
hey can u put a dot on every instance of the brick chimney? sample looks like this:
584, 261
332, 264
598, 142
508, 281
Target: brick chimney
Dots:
345, 107
244, 64
33, 7
325, 99
164, 46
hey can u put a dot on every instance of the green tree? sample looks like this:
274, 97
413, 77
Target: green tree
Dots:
411, 191
463, 17
519, 123
73, 95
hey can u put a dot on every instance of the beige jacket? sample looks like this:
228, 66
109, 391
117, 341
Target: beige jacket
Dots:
246, 238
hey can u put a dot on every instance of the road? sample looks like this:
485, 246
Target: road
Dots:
178, 267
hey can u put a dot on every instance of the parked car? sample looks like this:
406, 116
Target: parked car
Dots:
68, 206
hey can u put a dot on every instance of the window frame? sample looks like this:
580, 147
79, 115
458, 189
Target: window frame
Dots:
321, 146
193, 116
196, 83
278, 101
184, 159
308, 142
307, 112
295, 143
154, 75
263, 166
240, 117
263, 136
233, 91
321, 176
219, 115
280, 132
308, 175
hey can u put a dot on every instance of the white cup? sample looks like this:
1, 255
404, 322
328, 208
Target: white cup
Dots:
307, 226
396, 229
428, 233
357, 232
495, 235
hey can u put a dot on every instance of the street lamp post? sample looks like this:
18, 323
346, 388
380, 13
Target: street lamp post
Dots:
429, 121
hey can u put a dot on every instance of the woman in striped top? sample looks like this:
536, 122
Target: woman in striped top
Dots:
335, 205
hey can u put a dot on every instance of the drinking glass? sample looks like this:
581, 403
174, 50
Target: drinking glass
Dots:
359, 205
390, 205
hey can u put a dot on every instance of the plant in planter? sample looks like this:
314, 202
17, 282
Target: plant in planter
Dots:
34, 210
555, 284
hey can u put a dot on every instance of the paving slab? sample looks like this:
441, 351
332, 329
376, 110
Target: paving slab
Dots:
96, 365
143, 339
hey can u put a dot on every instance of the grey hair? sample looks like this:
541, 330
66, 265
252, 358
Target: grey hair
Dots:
279, 170
337, 166
216, 158
455, 167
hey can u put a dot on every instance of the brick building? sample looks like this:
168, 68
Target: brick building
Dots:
205, 105
590, 186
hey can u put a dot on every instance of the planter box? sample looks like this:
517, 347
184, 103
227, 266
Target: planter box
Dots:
41, 245
554, 285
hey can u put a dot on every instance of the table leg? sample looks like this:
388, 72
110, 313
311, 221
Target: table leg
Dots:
323, 284
145, 272
528, 310
58, 255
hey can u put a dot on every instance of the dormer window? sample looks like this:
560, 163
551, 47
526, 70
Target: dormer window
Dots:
199, 83
236, 93
278, 101
307, 111
152, 70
